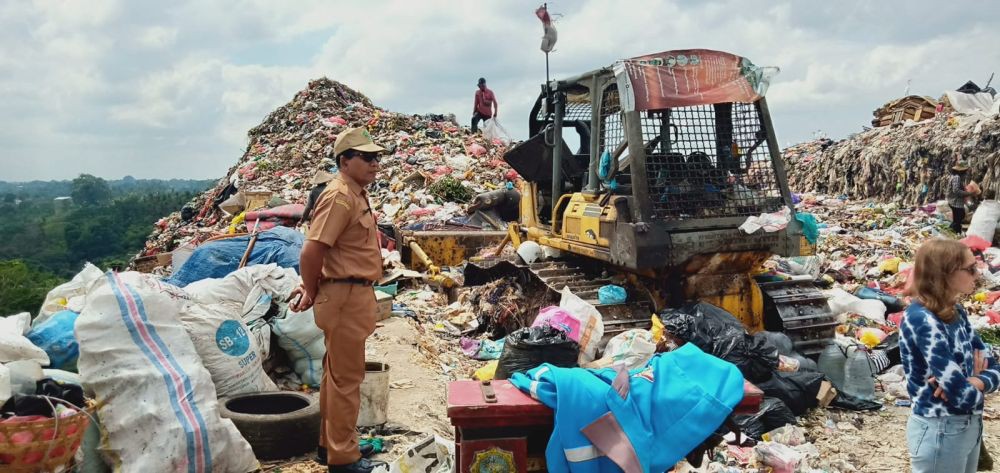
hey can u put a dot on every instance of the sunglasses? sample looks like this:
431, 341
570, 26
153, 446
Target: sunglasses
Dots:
971, 269
367, 157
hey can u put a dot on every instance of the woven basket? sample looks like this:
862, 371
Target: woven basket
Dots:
48, 444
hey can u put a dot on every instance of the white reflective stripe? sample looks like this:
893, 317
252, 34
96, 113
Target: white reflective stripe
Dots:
581, 454
533, 389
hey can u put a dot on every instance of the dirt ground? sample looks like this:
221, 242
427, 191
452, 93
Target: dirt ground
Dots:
876, 442
417, 406
864, 442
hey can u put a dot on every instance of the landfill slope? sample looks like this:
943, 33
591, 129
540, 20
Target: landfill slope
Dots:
893, 163
296, 141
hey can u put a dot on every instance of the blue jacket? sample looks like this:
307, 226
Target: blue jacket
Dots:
639, 421
929, 347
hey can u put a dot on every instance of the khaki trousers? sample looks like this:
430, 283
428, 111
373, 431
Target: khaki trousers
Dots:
346, 314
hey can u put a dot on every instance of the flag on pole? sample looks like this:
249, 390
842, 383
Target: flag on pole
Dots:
549, 37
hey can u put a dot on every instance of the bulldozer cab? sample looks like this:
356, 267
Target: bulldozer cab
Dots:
673, 148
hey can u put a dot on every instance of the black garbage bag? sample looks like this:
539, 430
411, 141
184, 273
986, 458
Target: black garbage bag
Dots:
65, 391
780, 341
718, 333
797, 390
890, 345
851, 403
531, 346
773, 413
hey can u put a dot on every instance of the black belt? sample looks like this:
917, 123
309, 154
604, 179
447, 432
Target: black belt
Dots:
358, 281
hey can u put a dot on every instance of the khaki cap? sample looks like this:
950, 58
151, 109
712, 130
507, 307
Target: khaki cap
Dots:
357, 139
961, 166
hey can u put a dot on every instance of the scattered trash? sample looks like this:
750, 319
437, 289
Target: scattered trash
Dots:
294, 144
431, 455
612, 295
487, 372
780, 458
769, 222
790, 435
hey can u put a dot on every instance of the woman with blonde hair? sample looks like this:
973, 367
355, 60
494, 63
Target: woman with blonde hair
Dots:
948, 368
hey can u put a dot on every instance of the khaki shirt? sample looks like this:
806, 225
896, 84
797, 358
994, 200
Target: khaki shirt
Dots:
343, 221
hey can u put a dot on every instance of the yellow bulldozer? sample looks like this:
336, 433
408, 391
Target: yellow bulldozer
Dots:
676, 151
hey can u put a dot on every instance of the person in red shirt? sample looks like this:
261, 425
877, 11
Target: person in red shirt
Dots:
485, 107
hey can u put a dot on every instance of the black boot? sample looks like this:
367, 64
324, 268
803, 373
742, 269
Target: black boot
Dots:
366, 451
363, 465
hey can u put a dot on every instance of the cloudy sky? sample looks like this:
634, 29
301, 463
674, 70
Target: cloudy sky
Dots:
169, 89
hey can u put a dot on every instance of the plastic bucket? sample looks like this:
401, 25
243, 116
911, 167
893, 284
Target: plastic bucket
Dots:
374, 395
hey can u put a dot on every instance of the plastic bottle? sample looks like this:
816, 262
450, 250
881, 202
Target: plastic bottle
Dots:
858, 378
832, 363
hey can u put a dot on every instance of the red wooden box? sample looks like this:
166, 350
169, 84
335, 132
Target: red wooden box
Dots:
508, 435
511, 433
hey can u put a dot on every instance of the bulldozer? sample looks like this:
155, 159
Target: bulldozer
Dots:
676, 151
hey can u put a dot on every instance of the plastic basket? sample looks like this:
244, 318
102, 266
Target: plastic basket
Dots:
41, 445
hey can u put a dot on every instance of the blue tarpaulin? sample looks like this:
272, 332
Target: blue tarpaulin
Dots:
216, 259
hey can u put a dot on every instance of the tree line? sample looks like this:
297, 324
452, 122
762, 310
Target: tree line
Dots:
44, 242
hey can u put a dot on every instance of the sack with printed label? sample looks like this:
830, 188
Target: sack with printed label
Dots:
227, 349
156, 401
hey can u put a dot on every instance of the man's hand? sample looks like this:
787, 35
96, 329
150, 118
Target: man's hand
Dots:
938, 390
300, 299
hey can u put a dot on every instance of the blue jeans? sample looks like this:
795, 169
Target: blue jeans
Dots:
947, 444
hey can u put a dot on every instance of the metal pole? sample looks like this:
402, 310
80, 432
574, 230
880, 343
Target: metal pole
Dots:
557, 142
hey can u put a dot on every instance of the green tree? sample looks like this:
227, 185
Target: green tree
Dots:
23, 288
90, 190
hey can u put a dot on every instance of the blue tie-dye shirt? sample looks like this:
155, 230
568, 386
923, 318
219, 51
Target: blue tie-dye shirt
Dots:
930, 347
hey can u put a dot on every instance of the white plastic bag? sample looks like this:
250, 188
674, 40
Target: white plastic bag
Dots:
770, 222
458, 162
984, 220
494, 131
303, 341
157, 401
5, 389
632, 348
781, 458
14, 346
70, 295
843, 302
591, 323
226, 349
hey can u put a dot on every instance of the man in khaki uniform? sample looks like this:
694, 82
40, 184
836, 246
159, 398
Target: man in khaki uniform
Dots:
340, 262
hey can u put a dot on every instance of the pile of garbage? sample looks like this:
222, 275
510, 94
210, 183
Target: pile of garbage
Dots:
432, 167
906, 163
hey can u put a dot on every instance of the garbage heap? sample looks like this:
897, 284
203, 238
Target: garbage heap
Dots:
907, 163
289, 151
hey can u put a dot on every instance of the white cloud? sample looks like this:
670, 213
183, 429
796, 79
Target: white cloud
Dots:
113, 88
156, 37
